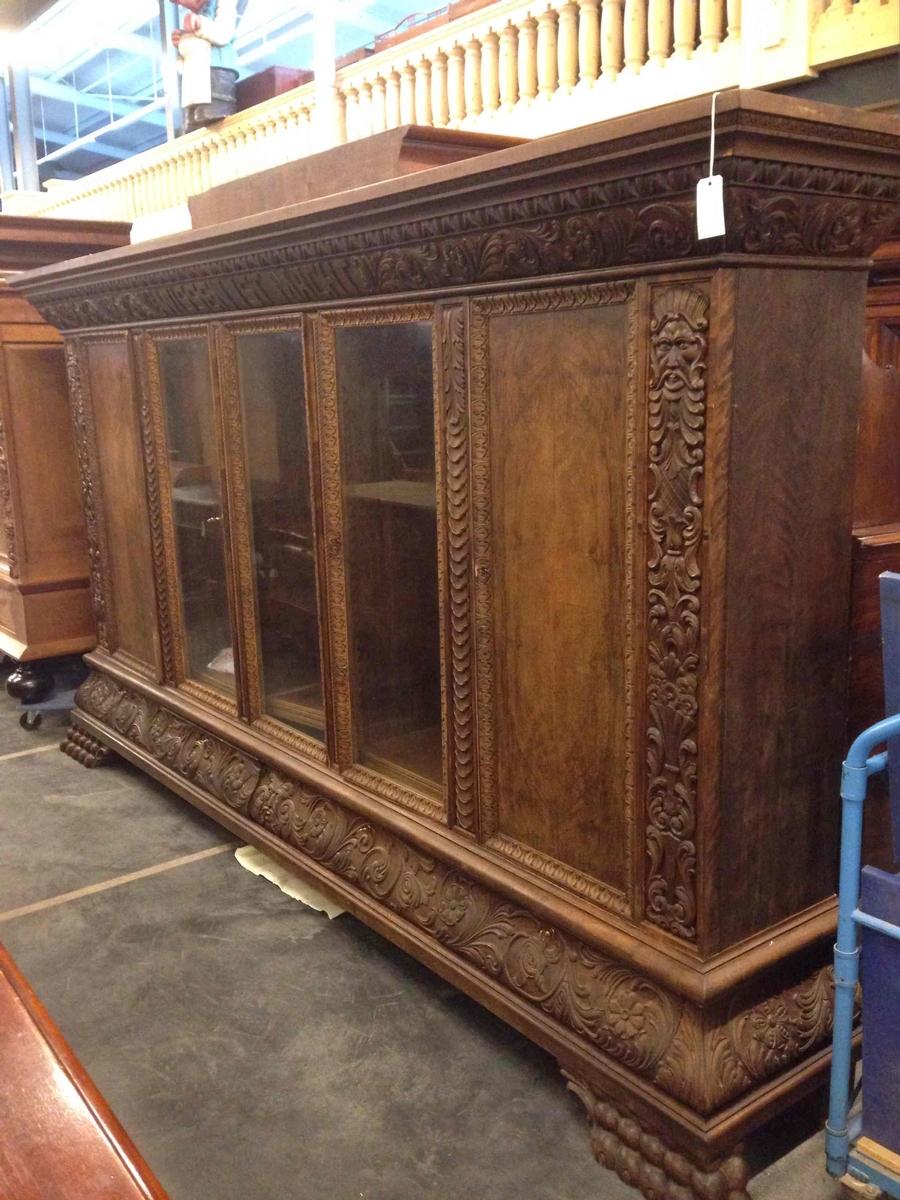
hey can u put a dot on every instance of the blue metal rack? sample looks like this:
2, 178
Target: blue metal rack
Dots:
844, 1155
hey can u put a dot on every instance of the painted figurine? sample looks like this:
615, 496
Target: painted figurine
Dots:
207, 60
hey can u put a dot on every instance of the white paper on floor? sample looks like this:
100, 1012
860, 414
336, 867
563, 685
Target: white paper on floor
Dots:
292, 885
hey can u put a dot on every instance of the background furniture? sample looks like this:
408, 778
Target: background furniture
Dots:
480, 545
45, 604
60, 1138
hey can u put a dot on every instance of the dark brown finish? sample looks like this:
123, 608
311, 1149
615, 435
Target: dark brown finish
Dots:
60, 1138
389, 155
642, 447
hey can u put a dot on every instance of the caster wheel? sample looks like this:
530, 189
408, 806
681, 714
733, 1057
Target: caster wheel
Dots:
31, 720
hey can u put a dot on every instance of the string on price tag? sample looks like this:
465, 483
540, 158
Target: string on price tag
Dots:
710, 191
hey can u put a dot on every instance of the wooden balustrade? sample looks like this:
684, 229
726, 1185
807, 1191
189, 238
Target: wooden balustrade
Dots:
514, 67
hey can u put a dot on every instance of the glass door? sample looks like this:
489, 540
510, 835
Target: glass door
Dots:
182, 389
265, 360
381, 513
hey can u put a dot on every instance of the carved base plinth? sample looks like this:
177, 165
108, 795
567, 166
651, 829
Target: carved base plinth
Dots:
646, 1162
85, 748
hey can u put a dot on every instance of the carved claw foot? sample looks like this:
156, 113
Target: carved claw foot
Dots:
85, 748
645, 1162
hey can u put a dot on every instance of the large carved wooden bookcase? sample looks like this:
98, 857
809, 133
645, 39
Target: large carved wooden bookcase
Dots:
480, 544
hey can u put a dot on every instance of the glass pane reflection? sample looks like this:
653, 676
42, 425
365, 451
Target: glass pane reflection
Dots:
386, 409
270, 372
197, 509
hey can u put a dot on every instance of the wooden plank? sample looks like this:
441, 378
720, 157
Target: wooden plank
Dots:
890, 634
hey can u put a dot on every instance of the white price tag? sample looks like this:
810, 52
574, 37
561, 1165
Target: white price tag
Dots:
710, 208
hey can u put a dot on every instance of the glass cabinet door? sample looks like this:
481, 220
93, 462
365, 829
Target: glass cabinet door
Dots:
385, 410
282, 526
197, 510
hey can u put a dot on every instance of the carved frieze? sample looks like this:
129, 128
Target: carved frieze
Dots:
772, 208
702, 1058
676, 433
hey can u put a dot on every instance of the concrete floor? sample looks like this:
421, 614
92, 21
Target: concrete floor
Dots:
255, 1050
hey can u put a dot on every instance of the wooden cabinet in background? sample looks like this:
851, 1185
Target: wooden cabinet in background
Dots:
480, 546
45, 601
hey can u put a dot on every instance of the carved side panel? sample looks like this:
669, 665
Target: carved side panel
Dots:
676, 431
91, 492
457, 551
6, 509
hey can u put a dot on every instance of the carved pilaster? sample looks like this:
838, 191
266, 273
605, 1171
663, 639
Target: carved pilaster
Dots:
6, 509
460, 704
676, 425
89, 471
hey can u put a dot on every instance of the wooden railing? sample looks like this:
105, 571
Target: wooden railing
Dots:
510, 67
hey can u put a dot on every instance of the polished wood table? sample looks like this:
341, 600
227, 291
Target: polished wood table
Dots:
58, 1137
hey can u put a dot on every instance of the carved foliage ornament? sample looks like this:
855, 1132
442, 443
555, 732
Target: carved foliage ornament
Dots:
773, 208
89, 473
6, 511
676, 424
617, 1012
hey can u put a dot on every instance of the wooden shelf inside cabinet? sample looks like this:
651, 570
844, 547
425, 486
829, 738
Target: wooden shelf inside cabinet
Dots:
539, 540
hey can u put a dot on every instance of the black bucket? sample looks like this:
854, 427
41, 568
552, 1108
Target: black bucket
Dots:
223, 100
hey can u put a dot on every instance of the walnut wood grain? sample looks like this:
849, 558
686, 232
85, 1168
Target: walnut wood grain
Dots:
60, 1138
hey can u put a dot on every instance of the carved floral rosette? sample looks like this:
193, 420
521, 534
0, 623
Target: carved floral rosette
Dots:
704, 1059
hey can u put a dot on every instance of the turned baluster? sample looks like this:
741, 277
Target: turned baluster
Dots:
733, 11
711, 17
456, 85
408, 95
351, 97
392, 99
490, 72
659, 31
379, 104
635, 34
440, 107
509, 76
588, 40
685, 13
528, 74
567, 46
423, 92
473, 77
546, 54
611, 38
363, 109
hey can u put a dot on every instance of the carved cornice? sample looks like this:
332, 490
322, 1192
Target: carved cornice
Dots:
704, 1058
772, 208
6, 509
676, 417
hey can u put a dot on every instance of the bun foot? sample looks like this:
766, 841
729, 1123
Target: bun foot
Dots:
643, 1160
85, 748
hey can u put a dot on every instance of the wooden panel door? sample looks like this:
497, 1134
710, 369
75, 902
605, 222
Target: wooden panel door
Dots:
552, 442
